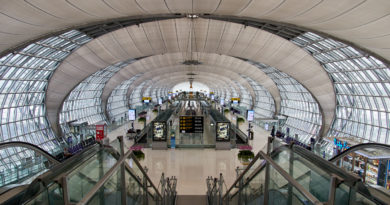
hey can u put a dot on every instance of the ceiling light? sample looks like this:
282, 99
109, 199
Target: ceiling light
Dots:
192, 16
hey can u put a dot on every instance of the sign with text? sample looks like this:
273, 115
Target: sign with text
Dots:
250, 115
191, 124
131, 114
99, 132
146, 99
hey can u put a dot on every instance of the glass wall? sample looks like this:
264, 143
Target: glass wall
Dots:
246, 98
84, 103
136, 96
24, 78
302, 110
117, 106
362, 87
264, 104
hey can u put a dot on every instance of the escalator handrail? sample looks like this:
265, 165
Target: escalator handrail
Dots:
142, 133
253, 174
145, 174
110, 172
135, 160
57, 171
357, 148
33, 147
257, 157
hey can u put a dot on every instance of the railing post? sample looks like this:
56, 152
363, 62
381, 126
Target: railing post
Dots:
65, 190
123, 175
334, 183
240, 183
291, 173
163, 183
145, 183
220, 189
267, 174
269, 144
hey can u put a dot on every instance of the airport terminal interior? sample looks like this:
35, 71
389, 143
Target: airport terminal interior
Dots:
215, 102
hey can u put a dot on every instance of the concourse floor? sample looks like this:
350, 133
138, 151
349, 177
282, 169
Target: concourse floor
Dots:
192, 166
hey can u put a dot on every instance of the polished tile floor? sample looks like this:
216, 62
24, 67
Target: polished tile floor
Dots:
193, 166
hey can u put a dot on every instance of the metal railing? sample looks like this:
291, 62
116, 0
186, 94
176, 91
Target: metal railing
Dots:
241, 182
168, 189
121, 165
215, 187
102, 176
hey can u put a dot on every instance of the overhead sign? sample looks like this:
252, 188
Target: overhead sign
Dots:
146, 99
191, 124
250, 115
131, 114
236, 100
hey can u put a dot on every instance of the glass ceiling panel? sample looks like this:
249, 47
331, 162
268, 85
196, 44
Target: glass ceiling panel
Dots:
84, 102
117, 103
24, 79
264, 104
302, 110
361, 87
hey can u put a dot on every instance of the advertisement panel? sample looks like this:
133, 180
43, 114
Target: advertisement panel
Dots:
99, 132
250, 115
131, 114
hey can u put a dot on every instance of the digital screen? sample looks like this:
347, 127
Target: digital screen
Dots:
222, 101
159, 131
223, 131
146, 101
132, 114
191, 124
160, 101
235, 101
212, 97
169, 97
250, 115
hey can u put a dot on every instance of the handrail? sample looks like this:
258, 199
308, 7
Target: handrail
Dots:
145, 130
358, 147
110, 172
291, 180
146, 176
32, 147
242, 174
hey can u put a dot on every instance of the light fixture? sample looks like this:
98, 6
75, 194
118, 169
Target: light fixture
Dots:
192, 16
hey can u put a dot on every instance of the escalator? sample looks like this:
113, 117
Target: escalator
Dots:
294, 175
102, 175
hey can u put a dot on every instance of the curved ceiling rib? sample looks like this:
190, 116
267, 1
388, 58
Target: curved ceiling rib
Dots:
343, 19
211, 36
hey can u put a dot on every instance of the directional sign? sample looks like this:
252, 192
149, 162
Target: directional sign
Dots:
191, 124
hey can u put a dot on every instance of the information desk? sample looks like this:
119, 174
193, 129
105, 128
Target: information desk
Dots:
191, 124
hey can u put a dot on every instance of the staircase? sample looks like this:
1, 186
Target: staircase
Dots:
191, 199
